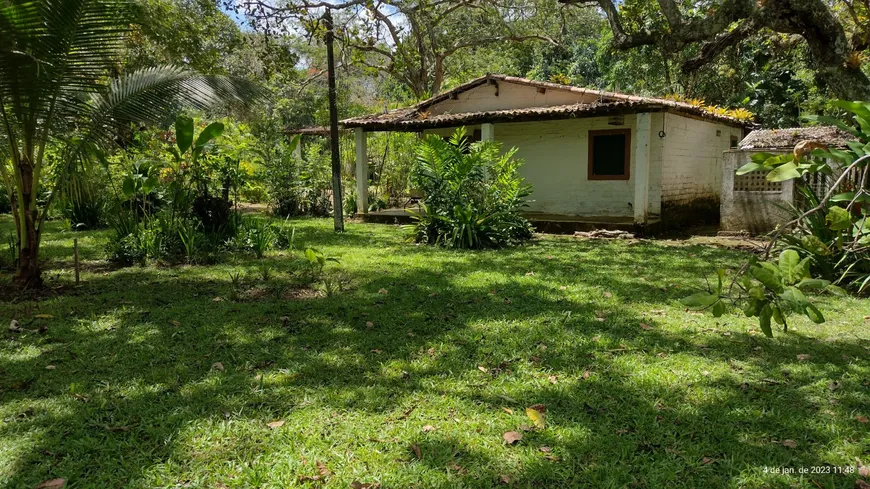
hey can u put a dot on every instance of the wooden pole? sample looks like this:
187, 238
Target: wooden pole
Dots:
338, 211
76, 257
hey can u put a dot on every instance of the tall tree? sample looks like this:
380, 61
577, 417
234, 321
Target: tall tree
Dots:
412, 40
835, 57
55, 58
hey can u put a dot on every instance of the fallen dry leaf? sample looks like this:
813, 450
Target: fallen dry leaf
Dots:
553, 379
645, 326
545, 449
512, 437
383, 291
370, 324
608, 295
833, 385
861, 419
275, 424
324, 471
428, 428
217, 366
507, 410
417, 453
50, 367
377, 351
175, 323
536, 414
802, 357
52, 484
14, 327
706, 461
505, 479
308, 478
860, 484
789, 443
217, 299
863, 470
586, 374
483, 369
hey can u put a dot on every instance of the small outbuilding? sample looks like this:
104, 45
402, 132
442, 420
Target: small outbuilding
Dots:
594, 158
750, 204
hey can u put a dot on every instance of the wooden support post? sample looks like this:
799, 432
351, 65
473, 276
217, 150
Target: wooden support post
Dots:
487, 132
337, 211
76, 258
362, 172
641, 167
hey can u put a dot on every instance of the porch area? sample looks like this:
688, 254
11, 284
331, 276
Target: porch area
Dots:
543, 223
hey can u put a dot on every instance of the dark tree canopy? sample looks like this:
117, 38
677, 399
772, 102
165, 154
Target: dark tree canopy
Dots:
834, 55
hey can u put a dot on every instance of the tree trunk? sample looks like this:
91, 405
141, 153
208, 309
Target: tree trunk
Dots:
28, 273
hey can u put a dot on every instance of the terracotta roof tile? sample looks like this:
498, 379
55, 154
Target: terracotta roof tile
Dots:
789, 137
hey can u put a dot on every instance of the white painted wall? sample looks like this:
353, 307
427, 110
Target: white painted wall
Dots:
556, 154
510, 96
691, 158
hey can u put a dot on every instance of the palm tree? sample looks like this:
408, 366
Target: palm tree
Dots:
57, 58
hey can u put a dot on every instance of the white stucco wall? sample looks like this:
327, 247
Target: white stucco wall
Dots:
691, 159
510, 96
685, 166
754, 211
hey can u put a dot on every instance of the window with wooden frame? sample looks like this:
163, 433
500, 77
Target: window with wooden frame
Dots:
609, 154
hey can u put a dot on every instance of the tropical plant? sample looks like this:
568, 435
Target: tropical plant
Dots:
57, 58
473, 194
829, 222
827, 243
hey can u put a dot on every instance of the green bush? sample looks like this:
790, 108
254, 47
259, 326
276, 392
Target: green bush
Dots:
300, 187
474, 195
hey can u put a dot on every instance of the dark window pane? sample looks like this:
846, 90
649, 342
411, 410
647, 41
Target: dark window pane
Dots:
608, 156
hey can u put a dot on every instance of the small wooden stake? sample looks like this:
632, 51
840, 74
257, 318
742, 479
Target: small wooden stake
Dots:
76, 257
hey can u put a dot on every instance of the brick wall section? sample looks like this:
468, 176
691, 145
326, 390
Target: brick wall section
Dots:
691, 159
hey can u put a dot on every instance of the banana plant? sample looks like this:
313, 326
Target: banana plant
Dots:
189, 150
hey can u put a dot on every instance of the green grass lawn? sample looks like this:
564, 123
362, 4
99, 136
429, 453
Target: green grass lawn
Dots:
143, 378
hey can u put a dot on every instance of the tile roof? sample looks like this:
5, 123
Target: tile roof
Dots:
789, 137
416, 117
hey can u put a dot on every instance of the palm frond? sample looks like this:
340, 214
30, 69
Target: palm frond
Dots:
150, 95
52, 52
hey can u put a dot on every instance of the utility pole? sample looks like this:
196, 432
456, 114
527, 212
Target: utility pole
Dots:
338, 211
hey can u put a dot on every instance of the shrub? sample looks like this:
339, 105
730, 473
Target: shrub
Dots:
300, 187
473, 194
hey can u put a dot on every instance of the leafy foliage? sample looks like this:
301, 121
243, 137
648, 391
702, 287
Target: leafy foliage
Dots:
829, 236
473, 194
768, 291
56, 86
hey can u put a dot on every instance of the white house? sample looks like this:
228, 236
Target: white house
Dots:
603, 158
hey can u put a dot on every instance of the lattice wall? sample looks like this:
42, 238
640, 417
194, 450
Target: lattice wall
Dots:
755, 182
